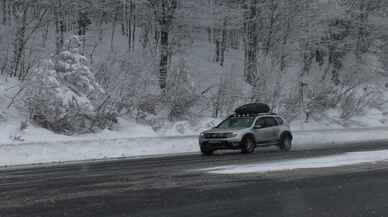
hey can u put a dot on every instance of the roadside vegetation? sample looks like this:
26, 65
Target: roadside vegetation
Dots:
76, 66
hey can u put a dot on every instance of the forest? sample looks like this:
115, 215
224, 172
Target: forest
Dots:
76, 66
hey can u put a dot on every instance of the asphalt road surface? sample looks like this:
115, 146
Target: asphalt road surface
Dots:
173, 187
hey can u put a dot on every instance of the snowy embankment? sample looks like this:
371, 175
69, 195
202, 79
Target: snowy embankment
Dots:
91, 149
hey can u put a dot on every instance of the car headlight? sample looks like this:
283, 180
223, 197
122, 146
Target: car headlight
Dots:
202, 134
230, 135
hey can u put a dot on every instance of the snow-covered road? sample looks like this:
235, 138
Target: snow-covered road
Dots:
89, 149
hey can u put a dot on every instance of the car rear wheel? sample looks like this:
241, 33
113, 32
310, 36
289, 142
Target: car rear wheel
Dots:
285, 143
248, 145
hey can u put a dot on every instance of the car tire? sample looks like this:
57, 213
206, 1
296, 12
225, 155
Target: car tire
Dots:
248, 145
285, 143
206, 151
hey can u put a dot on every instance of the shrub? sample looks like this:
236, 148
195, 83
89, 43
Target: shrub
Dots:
63, 95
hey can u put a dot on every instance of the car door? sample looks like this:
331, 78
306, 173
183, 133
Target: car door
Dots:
272, 128
262, 131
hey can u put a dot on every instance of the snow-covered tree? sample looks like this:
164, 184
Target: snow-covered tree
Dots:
180, 93
296, 55
63, 94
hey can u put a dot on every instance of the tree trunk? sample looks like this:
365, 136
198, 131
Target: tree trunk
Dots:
218, 45
9, 12
4, 9
127, 27
268, 43
164, 13
45, 33
223, 45
251, 43
112, 37
133, 9
59, 26
362, 35
19, 46
164, 34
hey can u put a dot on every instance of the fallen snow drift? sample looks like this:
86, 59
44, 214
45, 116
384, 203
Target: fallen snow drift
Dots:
307, 163
33, 153
90, 149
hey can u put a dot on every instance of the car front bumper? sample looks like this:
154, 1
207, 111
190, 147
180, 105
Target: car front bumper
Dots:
227, 143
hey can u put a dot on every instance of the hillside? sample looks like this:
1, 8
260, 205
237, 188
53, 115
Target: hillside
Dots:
135, 68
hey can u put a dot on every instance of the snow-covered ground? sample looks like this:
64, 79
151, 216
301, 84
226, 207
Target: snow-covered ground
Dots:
11, 132
93, 149
345, 159
30, 144
102, 148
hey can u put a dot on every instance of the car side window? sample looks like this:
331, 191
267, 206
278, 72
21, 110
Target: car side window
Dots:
260, 122
279, 120
270, 122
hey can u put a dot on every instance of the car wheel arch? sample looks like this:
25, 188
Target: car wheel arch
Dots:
249, 135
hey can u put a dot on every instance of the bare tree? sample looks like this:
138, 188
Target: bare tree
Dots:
250, 41
164, 11
25, 28
59, 25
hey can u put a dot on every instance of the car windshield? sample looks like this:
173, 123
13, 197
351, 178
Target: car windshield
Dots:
236, 122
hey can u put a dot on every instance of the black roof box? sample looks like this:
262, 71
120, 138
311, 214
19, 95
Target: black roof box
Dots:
253, 108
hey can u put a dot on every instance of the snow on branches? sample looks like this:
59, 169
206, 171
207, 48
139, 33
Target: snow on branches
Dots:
63, 94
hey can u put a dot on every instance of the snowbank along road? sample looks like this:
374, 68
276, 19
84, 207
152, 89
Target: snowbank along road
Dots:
91, 149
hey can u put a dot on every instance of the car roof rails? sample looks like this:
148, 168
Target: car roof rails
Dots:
252, 114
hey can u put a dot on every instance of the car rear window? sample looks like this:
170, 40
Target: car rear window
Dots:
270, 122
279, 120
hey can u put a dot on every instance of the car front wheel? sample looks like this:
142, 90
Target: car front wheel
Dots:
248, 145
206, 151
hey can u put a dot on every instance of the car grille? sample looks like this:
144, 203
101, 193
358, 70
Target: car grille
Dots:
216, 135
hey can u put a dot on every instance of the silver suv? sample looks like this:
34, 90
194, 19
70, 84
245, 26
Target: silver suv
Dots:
246, 132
